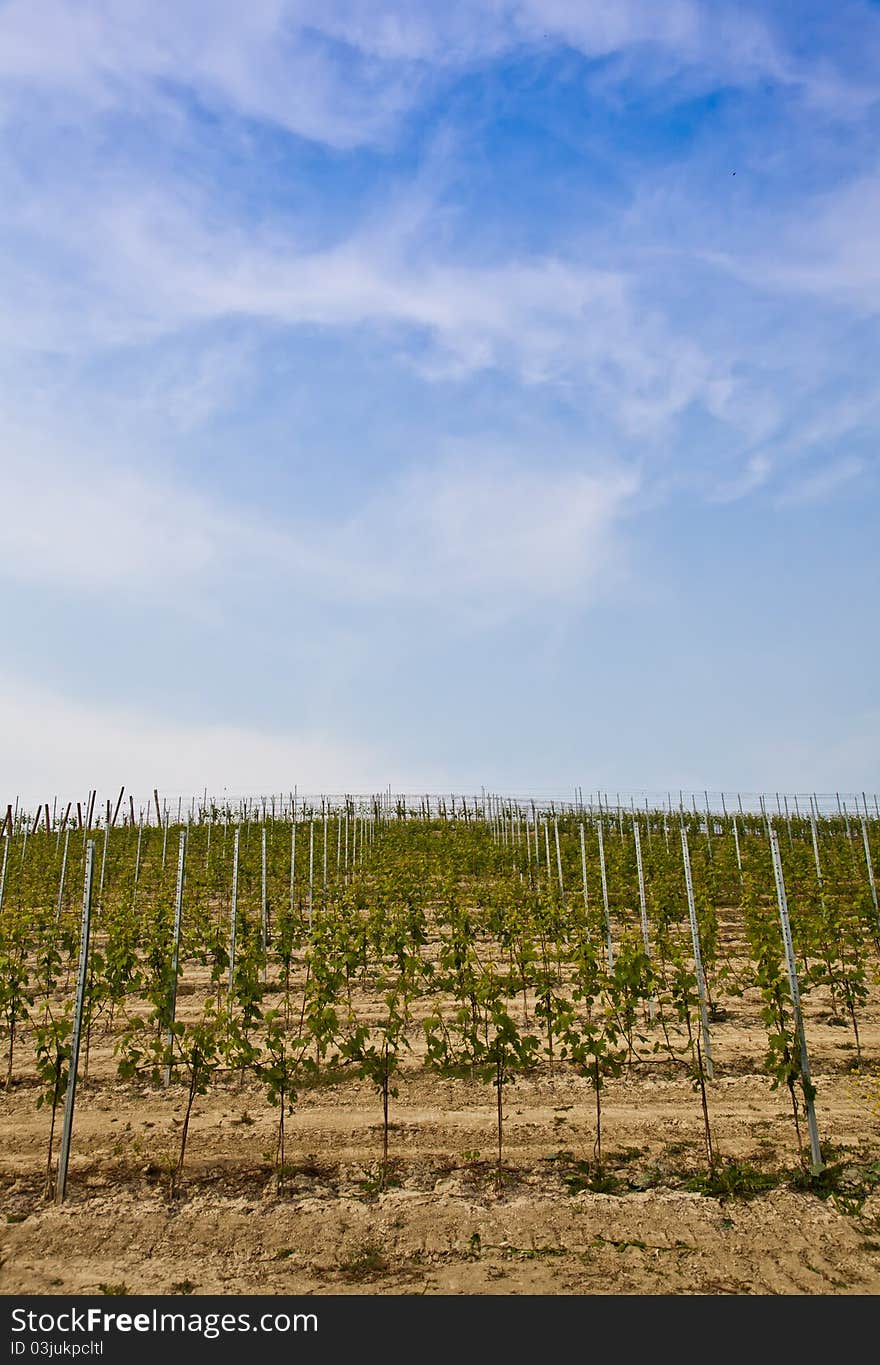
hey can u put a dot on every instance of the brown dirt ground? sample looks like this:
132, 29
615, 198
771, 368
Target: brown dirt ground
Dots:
442, 1226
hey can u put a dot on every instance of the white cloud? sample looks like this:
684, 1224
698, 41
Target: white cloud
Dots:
828, 249
74, 521
57, 745
343, 72
757, 471
822, 484
490, 534
257, 60
474, 535
151, 265
103, 263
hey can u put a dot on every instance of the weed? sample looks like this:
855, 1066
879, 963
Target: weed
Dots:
846, 1185
588, 1175
366, 1263
376, 1180
732, 1180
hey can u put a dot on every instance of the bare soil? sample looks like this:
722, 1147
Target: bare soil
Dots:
443, 1223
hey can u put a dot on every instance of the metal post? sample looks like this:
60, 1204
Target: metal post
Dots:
817, 1165
764, 812
175, 958
103, 868
584, 878
558, 857
324, 879
264, 906
643, 905
137, 859
608, 944
6, 842
311, 869
233, 926
870, 867
815, 842
698, 957
292, 860
70, 1098
61, 878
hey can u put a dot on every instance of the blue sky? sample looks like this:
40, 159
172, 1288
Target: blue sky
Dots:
484, 394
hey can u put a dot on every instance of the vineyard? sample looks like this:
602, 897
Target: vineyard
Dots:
440, 1045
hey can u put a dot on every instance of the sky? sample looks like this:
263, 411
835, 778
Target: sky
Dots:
484, 394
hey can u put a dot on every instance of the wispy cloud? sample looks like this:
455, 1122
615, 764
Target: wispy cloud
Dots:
344, 73
108, 746
479, 535
149, 267
824, 483
387, 322
828, 250
755, 474
491, 534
